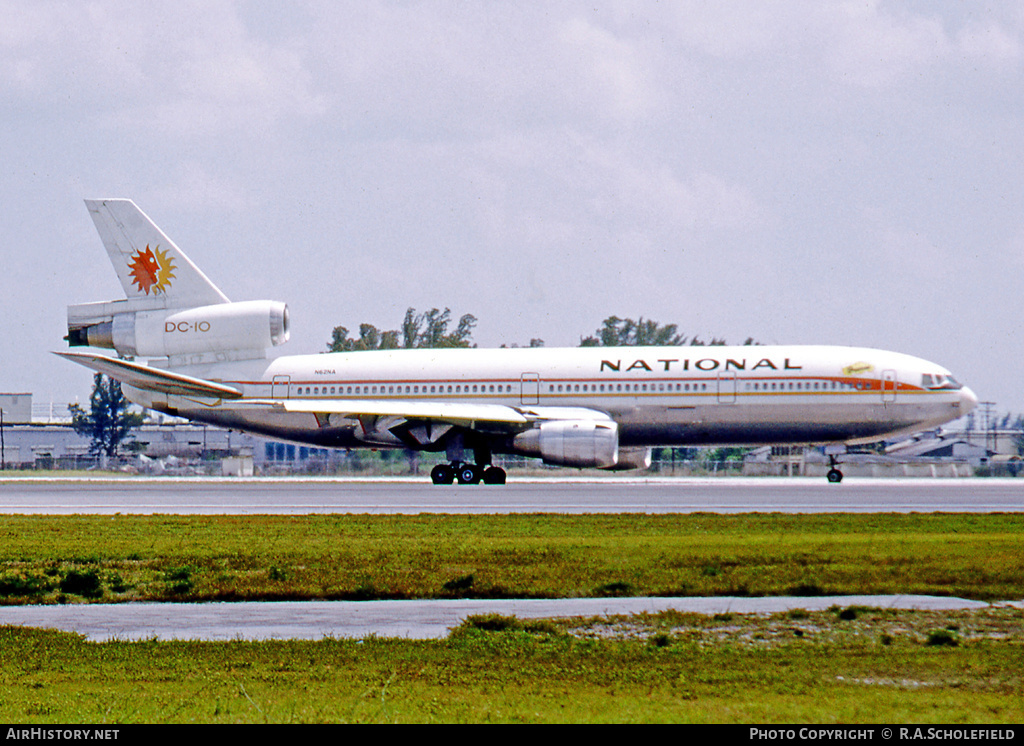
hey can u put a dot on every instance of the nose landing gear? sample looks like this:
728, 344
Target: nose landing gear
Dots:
834, 475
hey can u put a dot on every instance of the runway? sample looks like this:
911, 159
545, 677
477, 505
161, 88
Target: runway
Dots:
227, 496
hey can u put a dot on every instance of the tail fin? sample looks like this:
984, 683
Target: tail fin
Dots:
148, 264
172, 310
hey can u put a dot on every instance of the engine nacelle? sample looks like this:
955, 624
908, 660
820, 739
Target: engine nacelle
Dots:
226, 327
579, 443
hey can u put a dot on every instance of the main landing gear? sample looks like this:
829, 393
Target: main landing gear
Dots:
466, 474
463, 472
834, 475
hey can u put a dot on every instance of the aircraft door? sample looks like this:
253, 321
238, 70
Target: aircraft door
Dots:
529, 388
281, 387
727, 387
888, 386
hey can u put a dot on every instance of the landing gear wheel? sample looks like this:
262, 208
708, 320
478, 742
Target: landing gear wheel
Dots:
468, 474
442, 474
494, 475
835, 476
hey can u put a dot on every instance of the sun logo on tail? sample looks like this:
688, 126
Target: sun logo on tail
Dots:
152, 270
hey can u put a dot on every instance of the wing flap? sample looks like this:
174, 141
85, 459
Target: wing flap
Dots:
468, 414
152, 379
459, 413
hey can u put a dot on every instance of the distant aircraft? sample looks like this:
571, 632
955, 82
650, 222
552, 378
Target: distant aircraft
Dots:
602, 407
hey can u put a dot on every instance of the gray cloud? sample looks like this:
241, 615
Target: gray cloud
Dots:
794, 171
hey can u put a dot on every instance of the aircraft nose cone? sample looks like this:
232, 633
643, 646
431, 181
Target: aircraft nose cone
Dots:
968, 400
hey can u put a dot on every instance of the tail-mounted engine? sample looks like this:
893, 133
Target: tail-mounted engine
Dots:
225, 330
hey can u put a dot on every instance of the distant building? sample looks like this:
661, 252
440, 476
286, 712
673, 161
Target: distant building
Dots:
32, 445
946, 446
16, 408
41, 445
999, 442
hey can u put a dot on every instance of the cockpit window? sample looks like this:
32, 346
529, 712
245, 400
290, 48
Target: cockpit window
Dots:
940, 381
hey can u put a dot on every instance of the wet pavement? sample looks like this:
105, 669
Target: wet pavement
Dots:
313, 620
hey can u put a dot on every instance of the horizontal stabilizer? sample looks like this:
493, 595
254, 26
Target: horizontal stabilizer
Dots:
152, 379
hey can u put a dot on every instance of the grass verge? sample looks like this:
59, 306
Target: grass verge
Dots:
56, 559
799, 667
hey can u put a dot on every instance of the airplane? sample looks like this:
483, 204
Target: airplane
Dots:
205, 359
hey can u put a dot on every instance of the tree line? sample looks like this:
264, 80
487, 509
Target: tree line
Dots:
430, 329
419, 330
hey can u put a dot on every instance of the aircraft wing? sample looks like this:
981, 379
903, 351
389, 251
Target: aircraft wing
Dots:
456, 413
393, 411
152, 379
467, 414
420, 423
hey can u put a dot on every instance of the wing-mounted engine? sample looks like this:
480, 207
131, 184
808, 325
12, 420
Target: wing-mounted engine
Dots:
224, 331
579, 443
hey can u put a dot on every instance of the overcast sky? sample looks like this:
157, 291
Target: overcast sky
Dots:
801, 172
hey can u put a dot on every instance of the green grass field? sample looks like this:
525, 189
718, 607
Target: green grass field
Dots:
845, 665
830, 667
45, 559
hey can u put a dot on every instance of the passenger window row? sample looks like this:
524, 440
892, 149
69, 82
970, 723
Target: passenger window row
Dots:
617, 387
408, 389
559, 388
806, 386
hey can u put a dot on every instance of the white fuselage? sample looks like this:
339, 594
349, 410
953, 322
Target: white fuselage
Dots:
601, 407
658, 396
